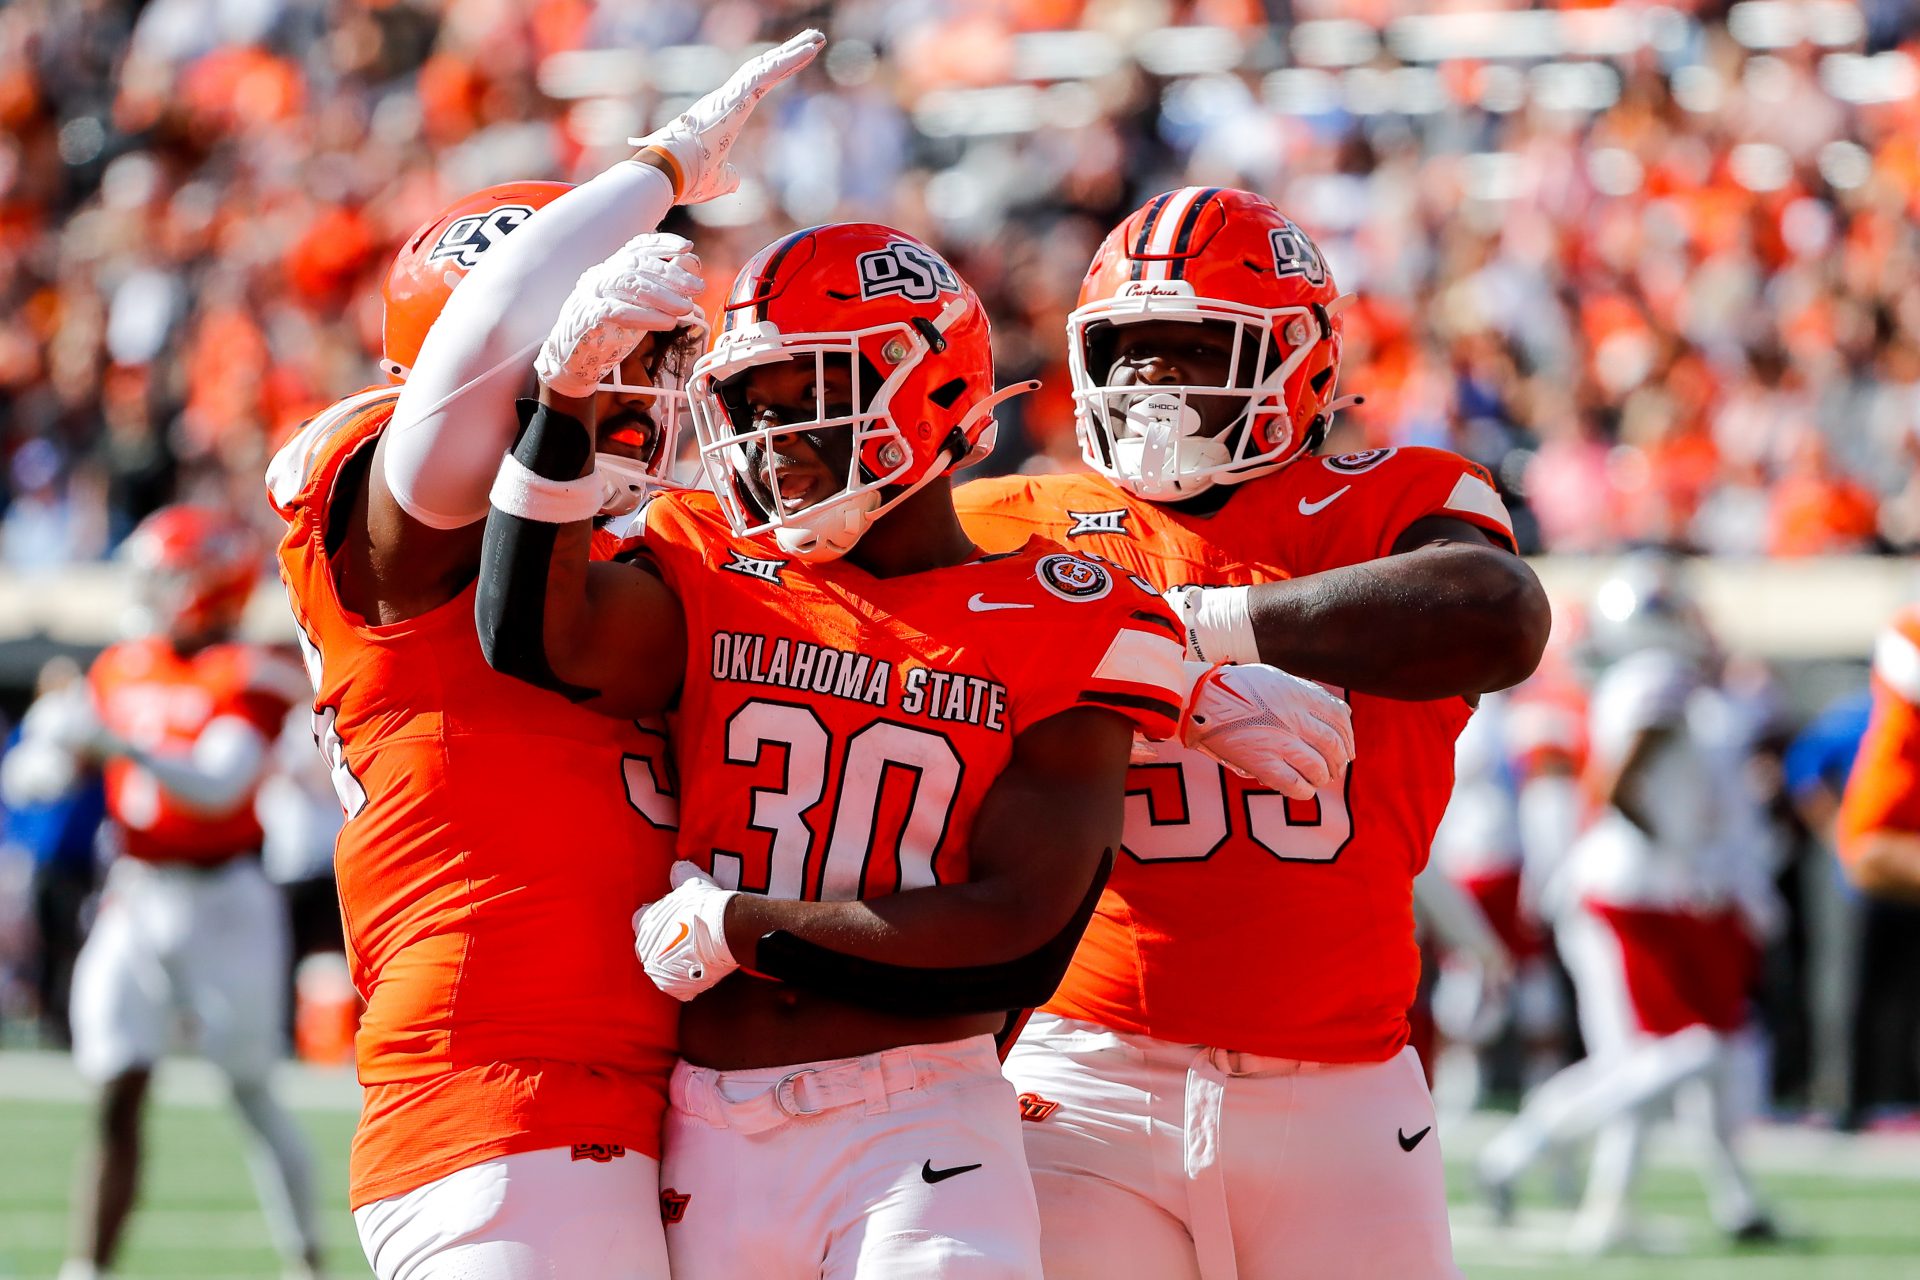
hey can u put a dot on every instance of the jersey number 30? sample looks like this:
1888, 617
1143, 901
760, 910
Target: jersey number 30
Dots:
926, 761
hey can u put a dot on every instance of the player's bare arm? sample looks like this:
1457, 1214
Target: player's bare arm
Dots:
1886, 863
1037, 845
839, 978
1449, 613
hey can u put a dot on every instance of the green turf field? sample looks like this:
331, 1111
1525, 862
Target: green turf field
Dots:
1857, 1204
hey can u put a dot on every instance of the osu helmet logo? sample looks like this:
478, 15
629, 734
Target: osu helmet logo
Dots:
1072, 578
905, 269
1295, 254
465, 239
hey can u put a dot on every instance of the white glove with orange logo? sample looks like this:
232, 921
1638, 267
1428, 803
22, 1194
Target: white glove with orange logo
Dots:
698, 140
1287, 734
682, 939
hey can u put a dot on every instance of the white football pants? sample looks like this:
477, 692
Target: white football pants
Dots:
534, 1215
1179, 1162
210, 943
899, 1165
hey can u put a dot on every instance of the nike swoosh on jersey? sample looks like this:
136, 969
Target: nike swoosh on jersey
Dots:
1408, 1144
980, 604
1310, 508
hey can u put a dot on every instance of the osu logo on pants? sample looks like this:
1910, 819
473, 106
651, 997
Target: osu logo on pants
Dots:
598, 1152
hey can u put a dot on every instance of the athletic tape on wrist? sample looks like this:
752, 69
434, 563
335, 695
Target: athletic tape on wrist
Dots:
521, 491
1218, 622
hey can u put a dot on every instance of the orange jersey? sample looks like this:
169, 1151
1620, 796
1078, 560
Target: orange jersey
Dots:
498, 841
1239, 918
1883, 791
159, 701
837, 731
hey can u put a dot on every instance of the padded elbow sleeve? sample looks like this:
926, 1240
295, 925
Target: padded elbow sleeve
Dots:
516, 556
910, 992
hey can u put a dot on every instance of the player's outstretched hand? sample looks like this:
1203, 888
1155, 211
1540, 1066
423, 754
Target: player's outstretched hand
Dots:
682, 939
696, 141
650, 285
1285, 733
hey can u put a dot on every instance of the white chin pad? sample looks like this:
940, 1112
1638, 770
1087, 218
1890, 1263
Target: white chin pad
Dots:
1162, 445
817, 536
627, 482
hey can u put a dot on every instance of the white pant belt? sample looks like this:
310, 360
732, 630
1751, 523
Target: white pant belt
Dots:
804, 1091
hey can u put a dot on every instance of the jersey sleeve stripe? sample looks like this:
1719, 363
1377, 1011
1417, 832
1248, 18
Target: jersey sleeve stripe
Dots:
1897, 662
1170, 711
1160, 621
1140, 657
1473, 496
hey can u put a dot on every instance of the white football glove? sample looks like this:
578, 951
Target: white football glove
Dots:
682, 939
697, 140
651, 285
1287, 734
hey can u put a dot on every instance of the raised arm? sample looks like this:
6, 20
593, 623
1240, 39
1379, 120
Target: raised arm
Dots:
1040, 848
474, 363
1448, 613
427, 490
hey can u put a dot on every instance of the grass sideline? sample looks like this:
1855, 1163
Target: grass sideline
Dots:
1852, 1201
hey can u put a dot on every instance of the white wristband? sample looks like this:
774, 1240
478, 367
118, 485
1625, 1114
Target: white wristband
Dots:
1218, 622
520, 491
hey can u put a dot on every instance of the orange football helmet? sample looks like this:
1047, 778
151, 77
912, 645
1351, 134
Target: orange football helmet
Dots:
913, 342
193, 571
439, 255
1207, 255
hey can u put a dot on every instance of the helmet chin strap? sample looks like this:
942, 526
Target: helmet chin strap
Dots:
1164, 447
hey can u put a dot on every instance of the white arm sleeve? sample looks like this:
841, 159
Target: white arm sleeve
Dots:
456, 417
218, 775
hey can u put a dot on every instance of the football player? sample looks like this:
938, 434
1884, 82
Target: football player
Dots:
1879, 825
498, 838
1659, 912
183, 719
1222, 1085
901, 758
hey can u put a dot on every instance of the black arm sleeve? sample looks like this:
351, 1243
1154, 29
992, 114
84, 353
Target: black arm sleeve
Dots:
904, 991
510, 606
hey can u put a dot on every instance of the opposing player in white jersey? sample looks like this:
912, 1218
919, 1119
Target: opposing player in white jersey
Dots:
182, 720
1659, 913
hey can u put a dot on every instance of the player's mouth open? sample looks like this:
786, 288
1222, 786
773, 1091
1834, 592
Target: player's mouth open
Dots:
800, 482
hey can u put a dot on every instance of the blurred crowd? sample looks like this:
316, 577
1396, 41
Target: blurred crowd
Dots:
1657, 267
